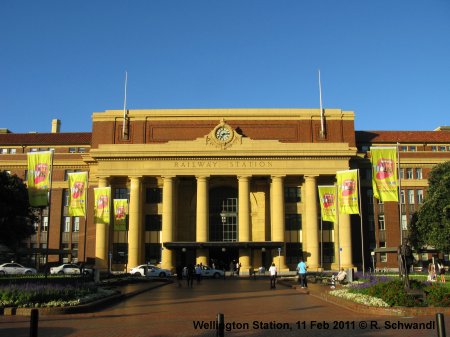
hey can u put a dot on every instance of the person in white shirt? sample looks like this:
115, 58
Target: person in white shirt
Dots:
273, 275
341, 275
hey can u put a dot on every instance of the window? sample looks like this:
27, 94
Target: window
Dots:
44, 224
418, 173
76, 224
402, 197
65, 197
420, 196
403, 148
412, 148
434, 148
153, 253
409, 173
404, 222
293, 222
383, 244
12, 151
120, 253
153, 222
442, 148
121, 193
81, 150
292, 194
4, 151
411, 197
66, 224
401, 173
72, 149
381, 225
153, 195
293, 252
383, 257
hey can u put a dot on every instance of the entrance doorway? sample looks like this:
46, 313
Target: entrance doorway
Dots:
223, 257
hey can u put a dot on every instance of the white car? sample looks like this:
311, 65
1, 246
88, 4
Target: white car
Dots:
70, 269
210, 272
15, 268
150, 271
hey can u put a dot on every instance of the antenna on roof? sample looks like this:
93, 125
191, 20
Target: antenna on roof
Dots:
124, 128
322, 128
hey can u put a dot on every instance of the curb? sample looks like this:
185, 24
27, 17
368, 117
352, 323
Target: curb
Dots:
82, 308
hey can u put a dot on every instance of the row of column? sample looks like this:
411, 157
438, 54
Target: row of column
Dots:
311, 243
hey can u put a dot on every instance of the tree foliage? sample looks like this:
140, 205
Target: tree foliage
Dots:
16, 214
431, 224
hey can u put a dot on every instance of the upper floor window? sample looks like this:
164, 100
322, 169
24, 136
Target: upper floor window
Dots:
76, 224
121, 193
420, 196
153, 222
66, 224
65, 197
402, 196
403, 148
401, 173
442, 148
411, 197
292, 194
293, 222
409, 173
153, 195
434, 148
72, 149
44, 224
381, 224
412, 148
418, 173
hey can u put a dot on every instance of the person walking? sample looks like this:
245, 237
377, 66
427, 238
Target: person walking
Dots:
441, 271
301, 269
273, 275
198, 273
190, 275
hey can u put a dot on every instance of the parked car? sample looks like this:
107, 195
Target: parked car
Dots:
70, 269
150, 271
15, 268
211, 272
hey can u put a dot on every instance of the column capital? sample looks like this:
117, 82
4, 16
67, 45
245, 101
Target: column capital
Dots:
244, 177
311, 176
205, 177
135, 177
277, 176
168, 177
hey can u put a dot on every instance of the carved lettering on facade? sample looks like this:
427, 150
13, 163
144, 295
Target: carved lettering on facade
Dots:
250, 164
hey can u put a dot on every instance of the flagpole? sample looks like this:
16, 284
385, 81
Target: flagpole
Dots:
399, 194
322, 132
337, 225
125, 106
85, 217
321, 243
360, 218
49, 212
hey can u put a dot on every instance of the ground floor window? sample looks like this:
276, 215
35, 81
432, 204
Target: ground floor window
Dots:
120, 253
153, 253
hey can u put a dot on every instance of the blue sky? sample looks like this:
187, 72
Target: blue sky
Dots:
388, 61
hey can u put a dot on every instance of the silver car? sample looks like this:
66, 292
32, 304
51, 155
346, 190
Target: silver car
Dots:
211, 272
15, 268
70, 269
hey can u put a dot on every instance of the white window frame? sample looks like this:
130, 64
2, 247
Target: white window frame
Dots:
419, 173
404, 222
66, 227
419, 196
409, 173
76, 224
411, 200
381, 222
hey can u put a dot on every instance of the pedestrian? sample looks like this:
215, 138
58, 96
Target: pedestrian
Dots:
232, 266
179, 270
190, 275
238, 268
198, 273
431, 272
301, 269
441, 271
273, 275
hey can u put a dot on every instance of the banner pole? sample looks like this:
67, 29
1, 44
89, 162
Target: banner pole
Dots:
399, 191
361, 220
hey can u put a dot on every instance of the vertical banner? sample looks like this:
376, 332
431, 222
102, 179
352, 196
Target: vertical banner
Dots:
77, 196
39, 177
120, 214
347, 182
102, 196
384, 173
327, 197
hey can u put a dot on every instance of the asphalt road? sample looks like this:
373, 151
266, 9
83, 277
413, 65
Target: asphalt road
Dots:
249, 308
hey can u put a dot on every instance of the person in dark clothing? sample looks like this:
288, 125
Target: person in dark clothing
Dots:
190, 275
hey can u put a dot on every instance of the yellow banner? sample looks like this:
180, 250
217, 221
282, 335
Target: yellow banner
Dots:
77, 196
348, 200
327, 197
39, 177
384, 173
120, 214
102, 197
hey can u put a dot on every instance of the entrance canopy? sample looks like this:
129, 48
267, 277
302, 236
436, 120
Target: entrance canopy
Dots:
258, 245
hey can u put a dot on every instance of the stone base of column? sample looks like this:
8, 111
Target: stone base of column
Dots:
280, 263
335, 266
202, 256
244, 260
167, 258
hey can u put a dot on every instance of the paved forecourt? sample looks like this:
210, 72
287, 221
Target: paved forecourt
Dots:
250, 308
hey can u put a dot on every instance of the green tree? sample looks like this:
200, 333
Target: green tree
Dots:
16, 214
431, 224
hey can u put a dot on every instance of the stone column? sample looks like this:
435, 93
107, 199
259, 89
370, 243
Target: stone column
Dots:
202, 230
134, 223
244, 220
277, 200
311, 227
167, 222
101, 236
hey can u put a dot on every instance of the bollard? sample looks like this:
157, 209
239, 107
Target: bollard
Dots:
440, 325
220, 332
34, 319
